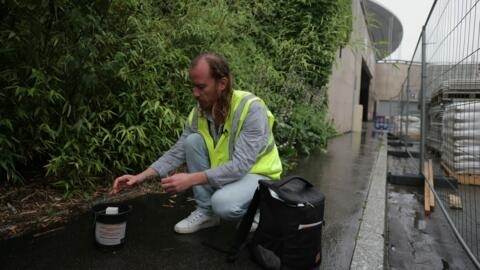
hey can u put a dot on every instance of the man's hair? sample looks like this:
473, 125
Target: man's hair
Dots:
218, 69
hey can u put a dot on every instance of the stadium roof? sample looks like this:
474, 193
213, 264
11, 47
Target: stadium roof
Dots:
385, 28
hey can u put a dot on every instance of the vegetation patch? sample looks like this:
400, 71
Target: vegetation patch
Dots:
94, 89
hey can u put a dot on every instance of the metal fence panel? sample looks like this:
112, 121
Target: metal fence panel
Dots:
444, 80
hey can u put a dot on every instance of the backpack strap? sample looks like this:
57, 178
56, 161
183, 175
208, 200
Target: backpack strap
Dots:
290, 178
291, 189
244, 228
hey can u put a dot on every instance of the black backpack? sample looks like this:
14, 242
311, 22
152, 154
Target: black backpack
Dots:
289, 234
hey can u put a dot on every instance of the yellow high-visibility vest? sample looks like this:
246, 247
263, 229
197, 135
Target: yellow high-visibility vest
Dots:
268, 160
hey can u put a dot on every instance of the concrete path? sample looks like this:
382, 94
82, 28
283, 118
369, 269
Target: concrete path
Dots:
369, 253
348, 175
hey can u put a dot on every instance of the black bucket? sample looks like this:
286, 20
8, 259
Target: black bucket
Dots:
110, 225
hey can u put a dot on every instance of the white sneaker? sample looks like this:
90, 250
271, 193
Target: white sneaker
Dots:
197, 220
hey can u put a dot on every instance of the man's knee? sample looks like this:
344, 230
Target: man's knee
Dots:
225, 208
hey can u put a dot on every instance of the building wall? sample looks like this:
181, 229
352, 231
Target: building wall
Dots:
391, 83
389, 78
344, 83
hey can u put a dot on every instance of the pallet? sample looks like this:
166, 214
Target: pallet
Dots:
448, 96
462, 178
456, 89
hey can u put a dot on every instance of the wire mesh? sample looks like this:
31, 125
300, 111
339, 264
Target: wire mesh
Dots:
449, 52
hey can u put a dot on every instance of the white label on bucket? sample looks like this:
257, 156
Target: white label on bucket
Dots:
111, 211
109, 234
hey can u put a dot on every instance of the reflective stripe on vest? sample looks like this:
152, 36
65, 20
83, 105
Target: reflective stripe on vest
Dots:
194, 124
236, 122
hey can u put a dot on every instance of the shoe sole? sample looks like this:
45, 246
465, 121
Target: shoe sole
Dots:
207, 224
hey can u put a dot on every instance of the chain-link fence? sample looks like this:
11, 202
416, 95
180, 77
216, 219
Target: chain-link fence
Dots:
439, 116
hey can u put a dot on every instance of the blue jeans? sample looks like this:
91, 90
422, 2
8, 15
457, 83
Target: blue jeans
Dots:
229, 202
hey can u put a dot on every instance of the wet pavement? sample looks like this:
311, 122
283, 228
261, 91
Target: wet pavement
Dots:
414, 240
151, 243
342, 173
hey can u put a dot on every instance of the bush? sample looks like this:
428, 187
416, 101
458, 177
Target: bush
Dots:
92, 89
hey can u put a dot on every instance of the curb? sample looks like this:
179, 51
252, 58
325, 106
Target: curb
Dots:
369, 248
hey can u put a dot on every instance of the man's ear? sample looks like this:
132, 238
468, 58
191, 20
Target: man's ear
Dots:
222, 83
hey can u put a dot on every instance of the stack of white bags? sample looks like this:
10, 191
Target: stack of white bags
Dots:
461, 137
404, 124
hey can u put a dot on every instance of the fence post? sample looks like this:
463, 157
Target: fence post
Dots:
422, 102
402, 110
408, 98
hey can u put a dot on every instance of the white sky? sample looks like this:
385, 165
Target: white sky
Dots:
413, 15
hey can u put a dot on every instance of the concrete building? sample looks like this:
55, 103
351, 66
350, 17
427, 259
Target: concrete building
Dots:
353, 89
391, 83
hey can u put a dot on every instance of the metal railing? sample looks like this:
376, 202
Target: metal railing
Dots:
443, 83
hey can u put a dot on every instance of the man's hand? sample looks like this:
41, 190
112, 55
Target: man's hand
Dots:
182, 181
124, 181
128, 181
